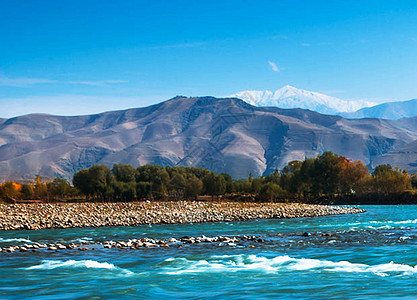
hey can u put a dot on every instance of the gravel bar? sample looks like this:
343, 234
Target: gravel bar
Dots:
71, 215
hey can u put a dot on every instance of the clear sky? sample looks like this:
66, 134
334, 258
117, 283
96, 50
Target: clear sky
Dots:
78, 57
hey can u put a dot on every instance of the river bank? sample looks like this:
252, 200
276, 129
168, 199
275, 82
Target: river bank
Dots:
73, 215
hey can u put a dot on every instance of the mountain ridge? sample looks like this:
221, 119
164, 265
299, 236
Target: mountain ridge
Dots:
223, 135
389, 110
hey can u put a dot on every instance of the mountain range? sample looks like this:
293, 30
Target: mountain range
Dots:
291, 97
390, 110
220, 134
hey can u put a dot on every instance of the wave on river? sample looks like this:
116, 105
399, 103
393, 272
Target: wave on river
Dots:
284, 263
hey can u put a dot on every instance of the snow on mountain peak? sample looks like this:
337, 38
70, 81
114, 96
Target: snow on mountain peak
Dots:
291, 97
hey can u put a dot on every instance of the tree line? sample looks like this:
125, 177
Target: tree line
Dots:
326, 175
39, 189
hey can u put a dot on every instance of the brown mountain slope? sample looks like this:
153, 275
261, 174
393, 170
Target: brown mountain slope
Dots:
224, 135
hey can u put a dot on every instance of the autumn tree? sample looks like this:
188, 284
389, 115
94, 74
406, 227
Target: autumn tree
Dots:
9, 191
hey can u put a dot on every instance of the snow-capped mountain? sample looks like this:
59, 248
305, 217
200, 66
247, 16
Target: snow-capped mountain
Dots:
291, 97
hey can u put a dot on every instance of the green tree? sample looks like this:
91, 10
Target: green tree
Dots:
229, 182
40, 190
26, 191
200, 173
246, 186
290, 179
59, 188
325, 174
100, 178
143, 189
157, 176
382, 169
214, 185
81, 180
193, 187
271, 191
257, 185
413, 180
124, 191
95, 182
276, 176
387, 180
124, 173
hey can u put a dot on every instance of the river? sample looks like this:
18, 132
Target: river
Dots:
361, 256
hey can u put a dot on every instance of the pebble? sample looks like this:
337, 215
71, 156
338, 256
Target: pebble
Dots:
137, 243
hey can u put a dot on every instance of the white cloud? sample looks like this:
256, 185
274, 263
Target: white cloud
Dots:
23, 81
28, 82
275, 37
305, 45
274, 66
96, 83
182, 45
72, 104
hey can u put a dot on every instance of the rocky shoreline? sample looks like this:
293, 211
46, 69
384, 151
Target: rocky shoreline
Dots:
132, 243
72, 215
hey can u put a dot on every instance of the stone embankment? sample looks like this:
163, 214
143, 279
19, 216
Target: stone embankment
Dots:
71, 215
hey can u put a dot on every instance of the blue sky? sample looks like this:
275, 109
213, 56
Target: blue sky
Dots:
78, 57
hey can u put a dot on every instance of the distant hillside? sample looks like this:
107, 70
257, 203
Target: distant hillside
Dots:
223, 135
404, 157
390, 110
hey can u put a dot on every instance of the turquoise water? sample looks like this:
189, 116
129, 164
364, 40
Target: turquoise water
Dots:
370, 255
